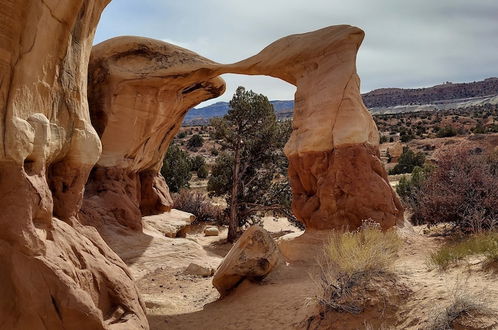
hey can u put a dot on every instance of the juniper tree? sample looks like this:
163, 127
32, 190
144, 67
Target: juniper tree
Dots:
247, 170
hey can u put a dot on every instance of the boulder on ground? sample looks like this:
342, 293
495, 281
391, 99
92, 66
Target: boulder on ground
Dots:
198, 270
211, 231
253, 257
174, 223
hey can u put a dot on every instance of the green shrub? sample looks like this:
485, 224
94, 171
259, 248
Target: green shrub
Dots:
409, 186
408, 161
202, 172
446, 131
485, 244
182, 135
197, 162
176, 168
195, 142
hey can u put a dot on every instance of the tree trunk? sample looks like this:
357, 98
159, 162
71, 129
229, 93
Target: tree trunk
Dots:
233, 223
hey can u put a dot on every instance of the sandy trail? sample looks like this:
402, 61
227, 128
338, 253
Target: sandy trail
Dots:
281, 301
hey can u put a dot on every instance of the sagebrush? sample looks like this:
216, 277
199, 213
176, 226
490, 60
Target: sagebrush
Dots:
199, 205
460, 189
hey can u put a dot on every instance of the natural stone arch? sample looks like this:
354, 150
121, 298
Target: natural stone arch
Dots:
334, 165
49, 147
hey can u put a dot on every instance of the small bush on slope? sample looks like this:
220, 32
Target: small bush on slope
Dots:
199, 205
460, 189
195, 142
353, 259
407, 161
485, 243
463, 303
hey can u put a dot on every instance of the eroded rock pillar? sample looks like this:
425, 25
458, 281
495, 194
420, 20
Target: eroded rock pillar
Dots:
335, 171
54, 272
139, 91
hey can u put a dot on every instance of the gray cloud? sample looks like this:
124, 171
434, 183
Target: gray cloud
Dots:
407, 43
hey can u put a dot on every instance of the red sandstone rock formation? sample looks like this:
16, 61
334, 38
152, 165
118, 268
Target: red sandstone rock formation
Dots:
139, 91
334, 164
54, 273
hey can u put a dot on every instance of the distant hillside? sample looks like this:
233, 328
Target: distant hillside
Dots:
386, 97
386, 100
201, 116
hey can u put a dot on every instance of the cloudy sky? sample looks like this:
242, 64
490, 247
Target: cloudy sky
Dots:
407, 44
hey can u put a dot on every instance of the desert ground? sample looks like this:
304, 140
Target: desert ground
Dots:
286, 298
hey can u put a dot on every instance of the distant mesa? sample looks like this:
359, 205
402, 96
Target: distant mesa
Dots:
385, 100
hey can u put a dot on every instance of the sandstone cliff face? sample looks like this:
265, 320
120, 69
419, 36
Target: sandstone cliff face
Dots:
54, 273
139, 91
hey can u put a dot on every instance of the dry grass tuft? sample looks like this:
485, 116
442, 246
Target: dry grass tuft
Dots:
352, 260
463, 303
485, 243
367, 250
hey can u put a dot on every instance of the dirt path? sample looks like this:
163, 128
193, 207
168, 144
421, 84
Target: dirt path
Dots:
175, 300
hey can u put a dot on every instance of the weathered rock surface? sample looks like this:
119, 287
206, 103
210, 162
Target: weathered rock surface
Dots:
54, 273
198, 270
139, 91
174, 223
335, 170
253, 257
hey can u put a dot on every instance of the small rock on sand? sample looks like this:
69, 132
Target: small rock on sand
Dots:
211, 231
195, 269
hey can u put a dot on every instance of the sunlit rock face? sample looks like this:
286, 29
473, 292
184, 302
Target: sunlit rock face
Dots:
54, 273
335, 171
139, 91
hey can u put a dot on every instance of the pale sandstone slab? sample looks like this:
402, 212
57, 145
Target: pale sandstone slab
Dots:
174, 223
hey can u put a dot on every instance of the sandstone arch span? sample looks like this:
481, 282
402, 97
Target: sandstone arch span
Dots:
334, 167
56, 273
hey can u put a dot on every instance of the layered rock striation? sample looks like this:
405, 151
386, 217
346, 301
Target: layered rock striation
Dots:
57, 273
335, 171
139, 91
54, 272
